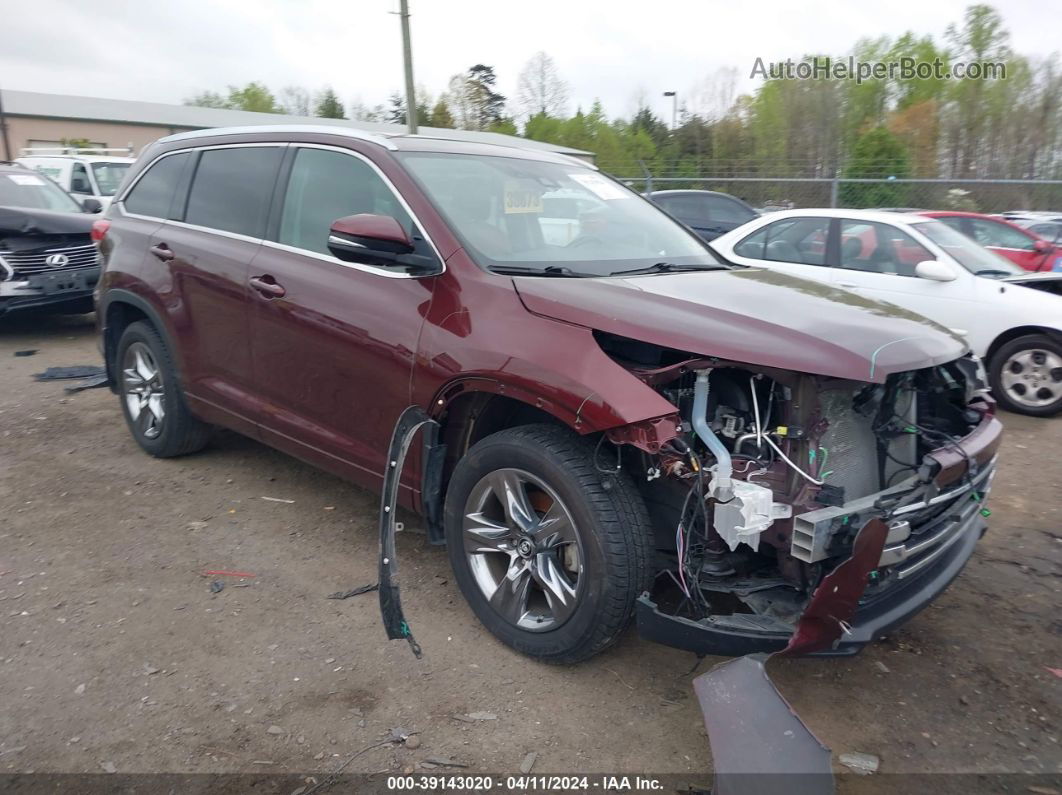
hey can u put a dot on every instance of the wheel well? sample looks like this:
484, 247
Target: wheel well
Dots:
1013, 334
120, 315
475, 415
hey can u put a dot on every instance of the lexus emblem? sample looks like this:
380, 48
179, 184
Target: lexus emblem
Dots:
57, 260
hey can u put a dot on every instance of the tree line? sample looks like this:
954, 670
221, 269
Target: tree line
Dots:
891, 127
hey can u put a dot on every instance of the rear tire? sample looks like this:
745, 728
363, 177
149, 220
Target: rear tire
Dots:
554, 575
152, 401
1026, 375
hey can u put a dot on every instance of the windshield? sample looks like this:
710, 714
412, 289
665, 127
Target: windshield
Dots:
32, 190
552, 218
109, 176
967, 252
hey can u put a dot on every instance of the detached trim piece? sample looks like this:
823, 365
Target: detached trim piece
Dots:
411, 421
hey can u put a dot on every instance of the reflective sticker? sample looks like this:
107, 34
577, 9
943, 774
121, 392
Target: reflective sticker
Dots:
25, 179
601, 187
519, 198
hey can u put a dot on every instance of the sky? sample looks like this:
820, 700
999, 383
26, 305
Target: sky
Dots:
618, 51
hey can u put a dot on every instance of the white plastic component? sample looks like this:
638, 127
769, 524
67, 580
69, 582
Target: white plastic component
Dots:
749, 513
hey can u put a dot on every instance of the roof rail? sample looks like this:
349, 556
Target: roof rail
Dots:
30, 151
352, 132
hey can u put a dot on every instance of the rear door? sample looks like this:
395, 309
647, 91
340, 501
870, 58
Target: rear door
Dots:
793, 245
207, 250
333, 342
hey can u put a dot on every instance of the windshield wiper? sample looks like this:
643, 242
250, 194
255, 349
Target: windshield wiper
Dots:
670, 267
549, 270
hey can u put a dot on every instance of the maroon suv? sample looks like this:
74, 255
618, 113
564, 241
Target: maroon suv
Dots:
623, 423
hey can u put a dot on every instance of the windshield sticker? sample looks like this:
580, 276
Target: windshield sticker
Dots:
25, 179
521, 199
601, 187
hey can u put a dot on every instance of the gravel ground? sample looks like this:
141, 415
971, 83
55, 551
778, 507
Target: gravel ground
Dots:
115, 653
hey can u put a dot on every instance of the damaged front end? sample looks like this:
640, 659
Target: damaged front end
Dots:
760, 497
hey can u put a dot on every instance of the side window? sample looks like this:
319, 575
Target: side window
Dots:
727, 210
1051, 232
79, 181
231, 189
989, 233
153, 193
688, 208
325, 185
798, 240
752, 246
879, 248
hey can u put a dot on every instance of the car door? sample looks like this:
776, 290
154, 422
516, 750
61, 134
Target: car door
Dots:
207, 250
795, 245
878, 260
333, 342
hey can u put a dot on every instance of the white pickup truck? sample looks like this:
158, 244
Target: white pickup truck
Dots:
84, 173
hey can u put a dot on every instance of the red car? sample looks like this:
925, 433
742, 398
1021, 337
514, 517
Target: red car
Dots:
618, 422
1022, 247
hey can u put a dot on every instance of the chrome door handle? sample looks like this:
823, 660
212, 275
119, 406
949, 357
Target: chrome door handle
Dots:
162, 251
270, 288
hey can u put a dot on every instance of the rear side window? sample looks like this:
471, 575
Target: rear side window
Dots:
798, 240
231, 189
326, 185
154, 192
728, 210
79, 181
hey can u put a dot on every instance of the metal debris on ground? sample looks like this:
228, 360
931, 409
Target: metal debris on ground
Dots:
73, 371
226, 573
354, 591
443, 761
863, 764
217, 586
89, 383
27, 352
279, 499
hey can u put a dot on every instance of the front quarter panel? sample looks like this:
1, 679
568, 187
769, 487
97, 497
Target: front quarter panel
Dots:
479, 333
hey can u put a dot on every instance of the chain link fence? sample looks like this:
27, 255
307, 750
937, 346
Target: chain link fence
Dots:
781, 193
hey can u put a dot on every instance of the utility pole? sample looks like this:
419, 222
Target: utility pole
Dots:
3, 130
407, 53
674, 107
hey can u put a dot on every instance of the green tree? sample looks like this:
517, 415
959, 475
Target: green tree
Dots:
328, 105
440, 115
877, 154
253, 96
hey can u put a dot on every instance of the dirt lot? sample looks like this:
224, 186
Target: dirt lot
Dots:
115, 653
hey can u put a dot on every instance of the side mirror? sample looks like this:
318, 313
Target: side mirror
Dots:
375, 239
1040, 246
934, 270
91, 205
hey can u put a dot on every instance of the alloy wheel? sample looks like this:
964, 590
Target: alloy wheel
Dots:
1033, 377
143, 390
523, 549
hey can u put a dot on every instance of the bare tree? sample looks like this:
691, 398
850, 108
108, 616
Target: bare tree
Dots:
294, 100
540, 88
713, 96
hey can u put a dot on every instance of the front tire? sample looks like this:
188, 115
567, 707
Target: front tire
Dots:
150, 392
1026, 375
550, 553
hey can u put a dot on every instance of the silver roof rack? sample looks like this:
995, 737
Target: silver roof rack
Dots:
34, 151
350, 132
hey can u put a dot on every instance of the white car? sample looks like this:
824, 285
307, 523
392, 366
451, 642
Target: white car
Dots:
85, 174
1010, 317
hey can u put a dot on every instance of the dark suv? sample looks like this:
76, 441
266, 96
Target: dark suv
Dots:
622, 422
47, 259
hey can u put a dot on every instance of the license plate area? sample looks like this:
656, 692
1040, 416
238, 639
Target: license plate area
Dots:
64, 282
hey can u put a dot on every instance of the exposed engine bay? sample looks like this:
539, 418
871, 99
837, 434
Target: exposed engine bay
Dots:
774, 473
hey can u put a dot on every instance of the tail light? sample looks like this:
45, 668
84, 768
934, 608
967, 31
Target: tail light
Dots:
99, 229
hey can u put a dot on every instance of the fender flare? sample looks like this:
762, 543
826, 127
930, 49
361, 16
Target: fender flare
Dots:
108, 345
